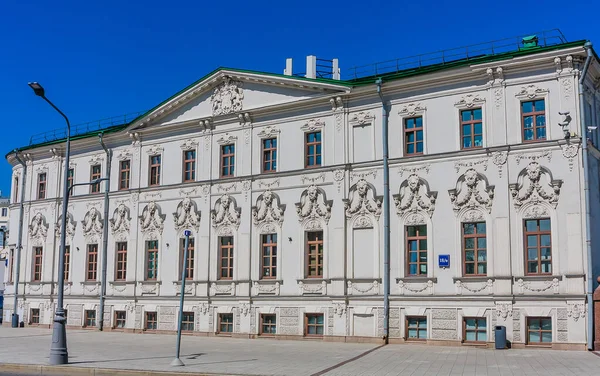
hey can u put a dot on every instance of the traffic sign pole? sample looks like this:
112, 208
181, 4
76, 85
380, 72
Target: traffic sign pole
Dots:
177, 361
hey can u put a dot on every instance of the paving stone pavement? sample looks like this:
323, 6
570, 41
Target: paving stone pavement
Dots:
275, 357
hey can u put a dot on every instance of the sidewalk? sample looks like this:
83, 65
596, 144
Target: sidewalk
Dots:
91, 351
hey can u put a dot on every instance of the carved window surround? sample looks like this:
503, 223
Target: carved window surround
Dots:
313, 286
266, 287
190, 287
470, 101
413, 110
148, 288
223, 287
226, 139
154, 150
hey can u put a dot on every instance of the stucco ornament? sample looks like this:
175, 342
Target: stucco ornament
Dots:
472, 191
186, 215
119, 223
70, 224
268, 209
227, 97
362, 200
92, 223
151, 219
225, 212
38, 229
415, 196
535, 185
313, 205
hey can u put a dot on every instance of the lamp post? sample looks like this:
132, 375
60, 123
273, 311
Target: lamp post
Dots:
58, 350
177, 361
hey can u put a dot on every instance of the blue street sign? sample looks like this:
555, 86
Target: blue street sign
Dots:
444, 261
187, 233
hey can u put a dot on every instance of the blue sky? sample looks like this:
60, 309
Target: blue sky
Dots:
102, 59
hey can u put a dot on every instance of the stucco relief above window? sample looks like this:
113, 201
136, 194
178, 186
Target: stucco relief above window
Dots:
313, 125
38, 229
470, 101
472, 191
151, 220
70, 224
226, 212
187, 215
123, 154
226, 139
269, 132
531, 92
189, 144
313, 208
119, 223
268, 209
415, 199
412, 109
154, 150
362, 205
227, 97
96, 159
92, 224
535, 185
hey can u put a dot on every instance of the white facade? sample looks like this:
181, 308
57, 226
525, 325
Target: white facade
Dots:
501, 184
4, 215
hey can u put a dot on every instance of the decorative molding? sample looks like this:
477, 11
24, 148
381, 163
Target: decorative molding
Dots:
92, 223
415, 288
222, 289
244, 118
227, 97
314, 179
312, 288
415, 197
414, 170
355, 288
340, 309
313, 205
469, 101
313, 125
535, 212
187, 215
269, 132
227, 187
189, 144
268, 209
226, 212
226, 139
363, 175
70, 224
498, 97
262, 288
119, 223
570, 151
472, 191
270, 184
531, 92
531, 188
460, 285
362, 118
96, 159
188, 192
362, 222
362, 201
522, 286
576, 310
534, 156
499, 158
123, 154
154, 150
338, 177
504, 310
412, 109
471, 164
473, 215
151, 220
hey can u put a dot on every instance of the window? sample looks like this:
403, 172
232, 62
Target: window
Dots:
189, 166
474, 248
533, 115
314, 254
313, 149
70, 177
16, 190
227, 160
92, 262
121, 264
189, 267
225, 323
151, 260
35, 316
416, 328
4, 212
67, 261
268, 324
37, 264
475, 329
416, 250
96, 173
269, 155
151, 322
120, 319
124, 174
90, 318
539, 330
413, 136
226, 257
154, 170
11, 265
313, 324
538, 246
187, 321
269, 256
41, 186
471, 129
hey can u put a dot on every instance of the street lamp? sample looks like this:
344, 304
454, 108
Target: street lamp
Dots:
58, 350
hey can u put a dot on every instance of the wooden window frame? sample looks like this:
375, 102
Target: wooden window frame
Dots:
189, 274
477, 329
185, 321
230, 165
534, 114
91, 262
34, 314
471, 123
121, 261
316, 326
315, 155
151, 269
476, 250
38, 264
414, 130
270, 324
267, 155
118, 320
95, 188
417, 238
154, 170
70, 180
229, 258
147, 316
539, 331
220, 323
67, 261
124, 174
189, 166
42, 185
268, 253
87, 318
539, 247
312, 246
419, 329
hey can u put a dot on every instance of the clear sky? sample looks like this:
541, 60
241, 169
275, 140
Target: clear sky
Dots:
99, 59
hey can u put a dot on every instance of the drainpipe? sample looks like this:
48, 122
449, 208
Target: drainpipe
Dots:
386, 215
105, 234
15, 319
586, 190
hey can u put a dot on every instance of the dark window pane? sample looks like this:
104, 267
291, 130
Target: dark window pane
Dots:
477, 114
527, 107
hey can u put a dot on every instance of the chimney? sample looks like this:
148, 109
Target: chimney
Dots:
288, 67
311, 66
335, 70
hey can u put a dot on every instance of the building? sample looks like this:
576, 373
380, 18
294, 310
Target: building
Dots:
280, 179
4, 209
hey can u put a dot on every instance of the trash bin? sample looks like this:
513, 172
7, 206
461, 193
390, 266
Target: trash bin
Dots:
500, 334
15, 320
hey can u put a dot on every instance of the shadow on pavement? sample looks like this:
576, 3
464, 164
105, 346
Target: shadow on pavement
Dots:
190, 356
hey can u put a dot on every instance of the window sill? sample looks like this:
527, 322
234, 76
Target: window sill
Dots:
542, 277
416, 279
476, 278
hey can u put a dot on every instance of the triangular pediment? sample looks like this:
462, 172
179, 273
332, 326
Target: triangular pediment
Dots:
228, 92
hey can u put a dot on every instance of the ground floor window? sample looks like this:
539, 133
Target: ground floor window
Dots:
225, 323
90, 318
268, 324
475, 329
151, 321
35, 316
416, 328
187, 321
539, 330
120, 318
313, 324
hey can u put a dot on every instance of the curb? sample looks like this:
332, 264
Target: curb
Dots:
45, 370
